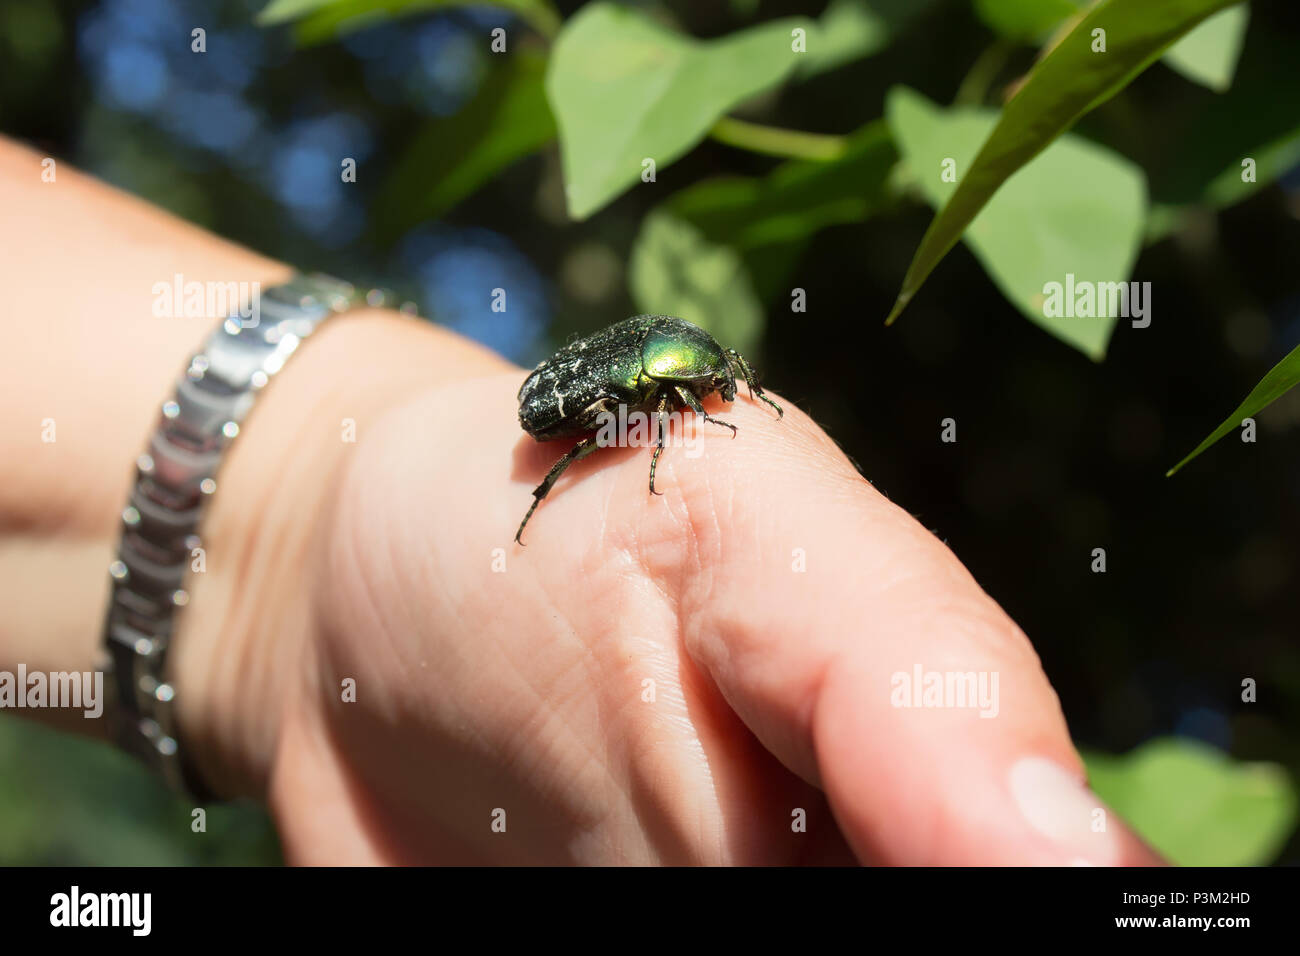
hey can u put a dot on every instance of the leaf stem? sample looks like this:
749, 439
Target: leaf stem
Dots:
975, 86
775, 141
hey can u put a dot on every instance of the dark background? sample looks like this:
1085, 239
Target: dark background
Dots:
1056, 455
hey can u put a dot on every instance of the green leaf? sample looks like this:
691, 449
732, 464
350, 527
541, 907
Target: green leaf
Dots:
796, 199
770, 220
1271, 161
1208, 55
282, 11
625, 89
1077, 208
1257, 119
1025, 19
675, 270
1281, 379
507, 119
324, 20
851, 30
1067, 83
1196, 805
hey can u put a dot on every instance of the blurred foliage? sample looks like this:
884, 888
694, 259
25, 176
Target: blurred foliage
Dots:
507, 119
1076, 208
627, 92
675, 270
1028, 21
1102, 53
1208, 53
1196, 806
79, 803
769, 221
776, 170
1257, 117
323, 20
631, 96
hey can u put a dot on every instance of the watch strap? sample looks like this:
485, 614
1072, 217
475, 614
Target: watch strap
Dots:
174, 478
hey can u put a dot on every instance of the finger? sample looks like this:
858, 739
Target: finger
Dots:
862, 653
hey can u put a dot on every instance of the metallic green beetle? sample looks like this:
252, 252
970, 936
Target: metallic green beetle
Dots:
649, 364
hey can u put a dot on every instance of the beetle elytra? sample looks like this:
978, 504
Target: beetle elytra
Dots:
653, 364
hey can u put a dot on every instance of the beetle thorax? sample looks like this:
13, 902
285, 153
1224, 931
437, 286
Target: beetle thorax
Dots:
688, 357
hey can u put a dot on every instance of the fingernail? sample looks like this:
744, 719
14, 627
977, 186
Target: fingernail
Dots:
1056, 804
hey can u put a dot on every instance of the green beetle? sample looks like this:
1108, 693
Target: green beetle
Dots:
648, 364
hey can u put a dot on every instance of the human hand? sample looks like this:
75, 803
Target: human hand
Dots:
521, 689
491, 677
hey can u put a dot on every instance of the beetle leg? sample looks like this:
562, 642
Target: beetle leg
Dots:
751, 380
659, 445
688, 397
577, 452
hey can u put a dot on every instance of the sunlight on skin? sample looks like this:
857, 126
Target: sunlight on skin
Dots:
523, 685
518, 689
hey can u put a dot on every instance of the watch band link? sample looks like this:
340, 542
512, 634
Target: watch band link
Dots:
175, 476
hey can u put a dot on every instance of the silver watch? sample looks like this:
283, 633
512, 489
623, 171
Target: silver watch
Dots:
175, 476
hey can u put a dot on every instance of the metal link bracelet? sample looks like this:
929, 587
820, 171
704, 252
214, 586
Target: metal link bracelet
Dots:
175, 477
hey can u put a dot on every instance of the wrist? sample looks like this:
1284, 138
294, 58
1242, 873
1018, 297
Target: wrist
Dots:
244, 651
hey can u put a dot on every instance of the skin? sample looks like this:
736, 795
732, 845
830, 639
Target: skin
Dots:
519, 689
